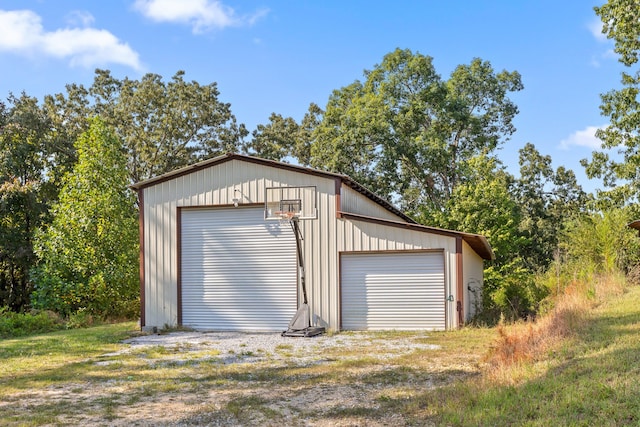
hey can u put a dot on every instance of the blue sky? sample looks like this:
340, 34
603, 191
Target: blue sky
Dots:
279, 56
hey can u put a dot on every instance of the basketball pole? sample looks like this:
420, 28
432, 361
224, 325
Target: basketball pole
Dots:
300, 325
298, 233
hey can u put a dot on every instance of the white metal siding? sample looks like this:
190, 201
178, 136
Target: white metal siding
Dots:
239, 271
324, 238
353, 202
401, 291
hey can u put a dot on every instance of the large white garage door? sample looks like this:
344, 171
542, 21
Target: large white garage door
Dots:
401, 291
238, 271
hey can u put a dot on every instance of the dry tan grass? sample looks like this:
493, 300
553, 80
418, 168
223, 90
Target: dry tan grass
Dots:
533, 340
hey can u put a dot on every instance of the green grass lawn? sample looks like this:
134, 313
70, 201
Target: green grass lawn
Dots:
27, 361
592, 379
78, 376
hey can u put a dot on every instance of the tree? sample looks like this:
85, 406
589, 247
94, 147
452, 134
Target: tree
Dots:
547, 199
67, 118
283, 137
24, 194
620, 23
275, 140
349, 138
407, 133
89, 253
163, 125
484, 204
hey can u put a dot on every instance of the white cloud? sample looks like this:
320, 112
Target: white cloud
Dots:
80, 18
201, 15
582, 138
22, 33
19, 29
595, 28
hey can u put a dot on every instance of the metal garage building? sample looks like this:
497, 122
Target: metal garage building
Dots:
210, 260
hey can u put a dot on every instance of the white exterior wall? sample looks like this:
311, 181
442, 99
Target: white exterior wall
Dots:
353, 202
324, 238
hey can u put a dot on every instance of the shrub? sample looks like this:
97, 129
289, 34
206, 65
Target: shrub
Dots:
20, 324
80, 319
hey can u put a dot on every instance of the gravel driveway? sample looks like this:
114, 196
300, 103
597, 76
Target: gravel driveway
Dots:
236, 347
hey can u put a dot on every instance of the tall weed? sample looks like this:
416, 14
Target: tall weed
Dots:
533, 340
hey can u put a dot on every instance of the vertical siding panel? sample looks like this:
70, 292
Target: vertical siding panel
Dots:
193, 186
173, 253
326, 214
166, 249
208, 179
158, 285
256, 195
182, 184
229, 182
199, 189
331, 222
215, 180
220, 172
155, 283
149, 273
146, 235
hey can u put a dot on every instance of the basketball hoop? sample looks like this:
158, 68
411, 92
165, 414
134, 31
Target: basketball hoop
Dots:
290, 203
285, 217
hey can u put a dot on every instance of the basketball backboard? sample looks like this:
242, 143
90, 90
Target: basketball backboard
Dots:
289, 202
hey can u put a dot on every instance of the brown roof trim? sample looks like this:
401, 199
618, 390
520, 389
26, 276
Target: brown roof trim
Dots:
634, 224
477, 242
265, 162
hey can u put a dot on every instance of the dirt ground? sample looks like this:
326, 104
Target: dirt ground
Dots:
235, 379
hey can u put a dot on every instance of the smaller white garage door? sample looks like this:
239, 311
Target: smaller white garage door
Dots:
396, 290
238, 271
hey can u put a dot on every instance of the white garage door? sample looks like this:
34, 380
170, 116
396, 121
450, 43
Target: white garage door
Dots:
401, 291
238, 271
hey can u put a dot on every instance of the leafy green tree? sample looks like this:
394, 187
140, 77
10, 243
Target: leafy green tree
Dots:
620, 23
547, 199
67, 117
89, 253
622, 106
275, 140
407, 133
349, 138
484, 204
23, 194
19, 207
283, 137
163, 125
